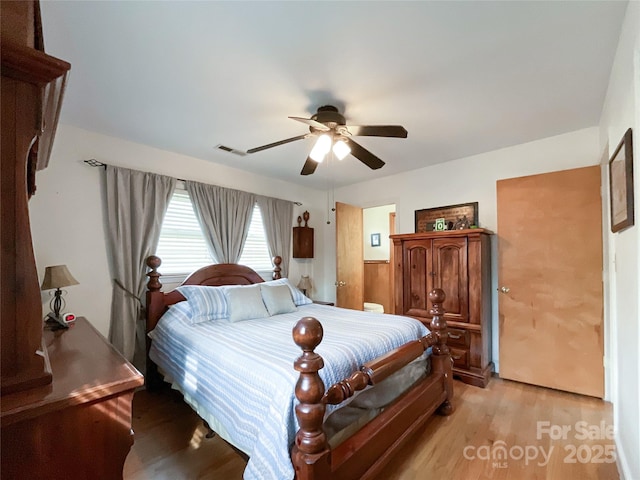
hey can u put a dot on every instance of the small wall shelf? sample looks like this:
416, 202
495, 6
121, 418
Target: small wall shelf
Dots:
303, 238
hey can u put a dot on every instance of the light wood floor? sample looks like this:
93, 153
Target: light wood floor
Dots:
170, 442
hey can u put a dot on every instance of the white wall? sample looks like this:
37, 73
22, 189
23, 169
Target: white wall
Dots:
376, 220
67, 211
621, 111
473, 179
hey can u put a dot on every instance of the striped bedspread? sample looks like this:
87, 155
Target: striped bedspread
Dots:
239, 377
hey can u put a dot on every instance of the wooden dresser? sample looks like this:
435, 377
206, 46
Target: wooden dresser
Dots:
459, 262
79, 426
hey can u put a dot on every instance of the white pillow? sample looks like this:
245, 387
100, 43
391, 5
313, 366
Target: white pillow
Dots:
277, 299
299, 298
245, 303
207, 303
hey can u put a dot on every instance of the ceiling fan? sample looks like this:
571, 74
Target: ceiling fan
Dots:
329, 125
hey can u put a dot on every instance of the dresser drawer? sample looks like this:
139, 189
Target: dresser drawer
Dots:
460, 357
458, 337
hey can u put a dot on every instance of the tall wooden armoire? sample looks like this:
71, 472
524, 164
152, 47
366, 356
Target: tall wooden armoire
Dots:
459, 262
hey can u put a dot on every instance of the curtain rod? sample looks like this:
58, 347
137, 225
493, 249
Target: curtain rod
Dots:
92, 162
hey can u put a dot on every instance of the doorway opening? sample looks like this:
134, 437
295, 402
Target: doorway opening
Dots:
378, 223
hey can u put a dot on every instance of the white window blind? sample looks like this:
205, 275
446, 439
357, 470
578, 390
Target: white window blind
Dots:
256, 252
182, 247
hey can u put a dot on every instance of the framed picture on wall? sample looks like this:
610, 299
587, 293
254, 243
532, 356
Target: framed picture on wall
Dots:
621, 185
375, 239
425, 220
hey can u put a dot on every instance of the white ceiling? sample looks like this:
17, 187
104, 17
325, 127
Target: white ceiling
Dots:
462, 77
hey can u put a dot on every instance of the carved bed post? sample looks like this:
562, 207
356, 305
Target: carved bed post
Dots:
441, 356
154, 308
277, 260
310, 456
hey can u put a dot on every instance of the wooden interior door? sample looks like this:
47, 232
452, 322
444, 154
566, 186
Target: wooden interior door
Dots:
550, 280
349, 257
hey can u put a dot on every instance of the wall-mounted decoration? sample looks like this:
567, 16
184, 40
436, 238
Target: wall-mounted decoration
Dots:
303, 238
621, 184
425, 220
375, 239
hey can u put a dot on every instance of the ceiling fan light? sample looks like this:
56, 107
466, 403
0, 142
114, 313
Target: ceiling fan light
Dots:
341, 149
321, 148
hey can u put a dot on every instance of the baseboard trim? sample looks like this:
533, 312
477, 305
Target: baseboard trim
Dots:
624, 469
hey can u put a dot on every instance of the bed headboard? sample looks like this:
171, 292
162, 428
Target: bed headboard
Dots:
211, 275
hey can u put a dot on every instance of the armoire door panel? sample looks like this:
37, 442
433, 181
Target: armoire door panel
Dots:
450, 267
417, 279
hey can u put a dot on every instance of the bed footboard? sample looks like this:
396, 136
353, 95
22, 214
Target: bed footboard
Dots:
366, 452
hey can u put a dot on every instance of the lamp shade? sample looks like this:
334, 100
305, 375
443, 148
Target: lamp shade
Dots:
57, 276
304, 283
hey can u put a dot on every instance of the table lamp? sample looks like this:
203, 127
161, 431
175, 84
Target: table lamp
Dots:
304, 284
57, 276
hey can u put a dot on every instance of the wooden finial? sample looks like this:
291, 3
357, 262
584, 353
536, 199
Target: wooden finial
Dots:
438, 323
154, 309
153, 284
299, 220
277, 271
310, 438
305, 215
441, 356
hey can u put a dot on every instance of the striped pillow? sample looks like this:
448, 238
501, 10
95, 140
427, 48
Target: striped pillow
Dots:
207, 303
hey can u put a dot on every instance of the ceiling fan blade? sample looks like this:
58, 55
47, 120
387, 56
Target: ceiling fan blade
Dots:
311, 123
275, 144
397, 131
364, 155
309, 166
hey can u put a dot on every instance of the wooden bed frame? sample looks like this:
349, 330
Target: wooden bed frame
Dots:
364, 453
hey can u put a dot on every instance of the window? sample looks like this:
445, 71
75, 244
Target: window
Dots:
256, 252
182, 246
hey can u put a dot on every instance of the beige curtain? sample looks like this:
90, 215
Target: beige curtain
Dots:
136, 203
277, 216
224, 215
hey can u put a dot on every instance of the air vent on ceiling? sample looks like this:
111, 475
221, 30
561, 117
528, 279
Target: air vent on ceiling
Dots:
231, 150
